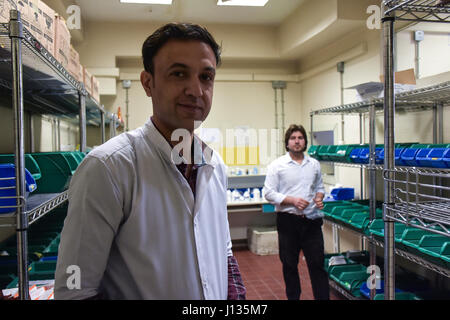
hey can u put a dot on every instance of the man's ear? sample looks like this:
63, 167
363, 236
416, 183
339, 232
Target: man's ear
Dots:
147, 81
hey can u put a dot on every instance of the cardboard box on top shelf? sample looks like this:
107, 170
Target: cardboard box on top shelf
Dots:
62, 41
25, 13
48, 27
36, 21
404, 81
5, 7
95, 89
74, 64
87, 80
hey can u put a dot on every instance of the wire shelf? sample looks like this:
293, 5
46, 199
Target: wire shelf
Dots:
420, 99
418, 10
48, 87
421, 198
407, 255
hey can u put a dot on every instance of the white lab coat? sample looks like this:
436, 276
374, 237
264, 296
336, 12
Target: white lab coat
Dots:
134, 229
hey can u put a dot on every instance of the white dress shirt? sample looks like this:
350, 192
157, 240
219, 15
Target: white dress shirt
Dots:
286, 177
135, 230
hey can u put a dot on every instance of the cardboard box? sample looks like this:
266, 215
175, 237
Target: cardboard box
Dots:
62, 41
404, 81
48, 27
95, 89
87, 80
25, 12
5, 6
74, 64
36, 21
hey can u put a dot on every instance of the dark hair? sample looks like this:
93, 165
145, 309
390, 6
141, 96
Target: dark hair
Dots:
178, 31
293, 128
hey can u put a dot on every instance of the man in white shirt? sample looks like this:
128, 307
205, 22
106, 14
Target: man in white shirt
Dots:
294, 185
144, 220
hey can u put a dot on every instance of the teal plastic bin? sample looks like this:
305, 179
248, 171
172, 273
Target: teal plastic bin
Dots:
432, 244
377, 228
321, 150
351, 277
347, 214
343, 152
330, 153
30, 164
399, 296
56, 171
312, 151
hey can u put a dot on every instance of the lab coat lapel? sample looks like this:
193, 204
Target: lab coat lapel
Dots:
203, 177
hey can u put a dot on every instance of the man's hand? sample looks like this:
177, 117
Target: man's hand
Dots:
318, 200
297, 202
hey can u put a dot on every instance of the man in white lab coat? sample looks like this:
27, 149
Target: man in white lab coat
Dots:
147, 215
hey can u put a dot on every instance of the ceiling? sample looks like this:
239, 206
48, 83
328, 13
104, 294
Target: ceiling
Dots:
197, 11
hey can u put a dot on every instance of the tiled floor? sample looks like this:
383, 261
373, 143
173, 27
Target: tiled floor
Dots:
263, 277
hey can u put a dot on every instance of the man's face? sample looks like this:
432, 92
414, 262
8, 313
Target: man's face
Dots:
182, 85
296, 142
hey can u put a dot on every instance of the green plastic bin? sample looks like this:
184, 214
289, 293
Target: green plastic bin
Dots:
312, 151
343, 152
351, 277
432, 244
398, 296
346, 215
30, 164
361, 220
377, 228
321, 150
330, 255
56, 172
329, 153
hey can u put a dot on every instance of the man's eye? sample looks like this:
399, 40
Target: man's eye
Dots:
207, 77
178, 74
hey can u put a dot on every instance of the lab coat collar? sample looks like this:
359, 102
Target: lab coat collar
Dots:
288, 159
203, 154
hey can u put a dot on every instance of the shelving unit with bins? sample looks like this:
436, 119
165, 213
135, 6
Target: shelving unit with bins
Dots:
39, 84
425, 215
394, 208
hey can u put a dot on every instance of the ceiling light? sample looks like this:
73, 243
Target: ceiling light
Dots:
169, 2
249, 3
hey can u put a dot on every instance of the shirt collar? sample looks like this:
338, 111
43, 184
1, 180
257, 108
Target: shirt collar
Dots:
288, 158
202, 153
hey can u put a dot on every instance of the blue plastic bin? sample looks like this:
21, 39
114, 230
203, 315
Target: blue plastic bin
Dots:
343, 193
408, 157
354, 155
365, 291
397, 156
365, 153
446, 158
422, 157
434, 158
8, 186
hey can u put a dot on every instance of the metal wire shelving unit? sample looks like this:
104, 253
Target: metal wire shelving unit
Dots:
420, 196
417, 205
32, 80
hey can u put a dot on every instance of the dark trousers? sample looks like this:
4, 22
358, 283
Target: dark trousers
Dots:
297, 233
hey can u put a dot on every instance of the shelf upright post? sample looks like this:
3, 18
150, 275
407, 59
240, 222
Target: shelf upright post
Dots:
16, 35
102, 120
372, 188
311, 115
389, 113
82, 118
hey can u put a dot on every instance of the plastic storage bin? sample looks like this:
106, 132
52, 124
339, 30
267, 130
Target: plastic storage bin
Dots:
364, 155
56, 172
312, 151
8, 187
354, 155
351, 277
343, 193
343, 152
30, 164
397, 155
434, 158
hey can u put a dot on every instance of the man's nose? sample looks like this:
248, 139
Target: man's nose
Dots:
194, 87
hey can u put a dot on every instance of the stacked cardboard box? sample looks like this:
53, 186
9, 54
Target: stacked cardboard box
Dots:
62, 41
48, 27
95, 89
5, 7
74, 64
36, 20
87, 80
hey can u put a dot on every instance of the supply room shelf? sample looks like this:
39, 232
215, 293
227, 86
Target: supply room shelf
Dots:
38, 205
418, 10
48, 87
342, 291
407, 255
